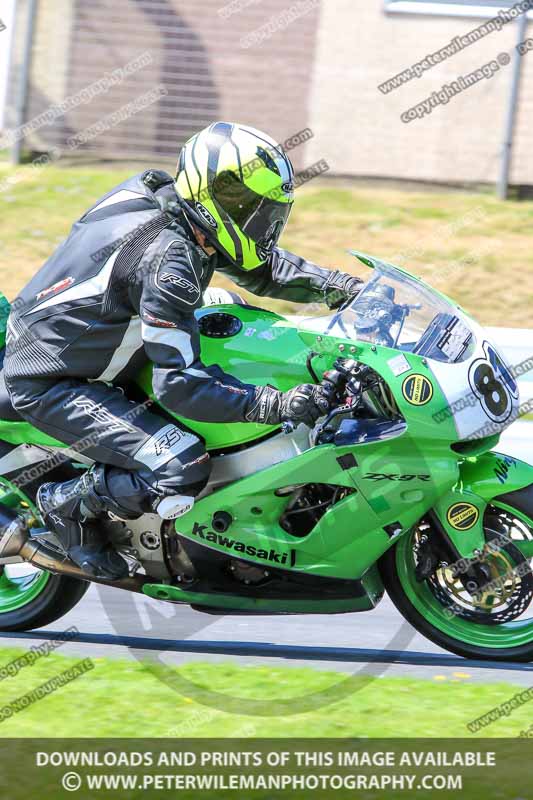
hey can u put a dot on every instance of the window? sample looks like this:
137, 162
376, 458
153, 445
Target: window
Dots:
455, 8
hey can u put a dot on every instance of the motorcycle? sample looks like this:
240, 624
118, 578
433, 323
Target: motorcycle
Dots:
397, 489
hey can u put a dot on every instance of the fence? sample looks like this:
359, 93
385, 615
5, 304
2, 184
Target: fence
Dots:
209, 57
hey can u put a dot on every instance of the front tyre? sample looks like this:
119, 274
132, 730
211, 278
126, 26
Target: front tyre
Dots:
31, 598
492, 620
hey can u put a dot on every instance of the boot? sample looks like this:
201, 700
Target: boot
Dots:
71, 510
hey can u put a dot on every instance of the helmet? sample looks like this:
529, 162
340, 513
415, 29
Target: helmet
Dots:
236, 184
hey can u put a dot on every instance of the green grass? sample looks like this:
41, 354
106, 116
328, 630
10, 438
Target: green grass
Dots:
120, 698
470, 246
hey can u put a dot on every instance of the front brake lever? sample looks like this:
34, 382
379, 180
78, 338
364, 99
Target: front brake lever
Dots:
289, 427
344, 409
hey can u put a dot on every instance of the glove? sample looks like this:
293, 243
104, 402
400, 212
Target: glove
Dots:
305, 403
341, 287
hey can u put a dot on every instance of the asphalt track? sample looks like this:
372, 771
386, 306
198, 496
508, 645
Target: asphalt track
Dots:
114, 624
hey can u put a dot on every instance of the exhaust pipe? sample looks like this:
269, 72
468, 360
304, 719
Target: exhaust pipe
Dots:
13, 532
15, 541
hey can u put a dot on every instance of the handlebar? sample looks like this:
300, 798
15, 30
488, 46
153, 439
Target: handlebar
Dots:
347, 379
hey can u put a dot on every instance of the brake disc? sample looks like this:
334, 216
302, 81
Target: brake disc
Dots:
496, 588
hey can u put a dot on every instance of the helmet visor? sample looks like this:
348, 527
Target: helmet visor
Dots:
261, 218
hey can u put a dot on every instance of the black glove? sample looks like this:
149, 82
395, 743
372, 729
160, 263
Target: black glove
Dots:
305, 403
341, 287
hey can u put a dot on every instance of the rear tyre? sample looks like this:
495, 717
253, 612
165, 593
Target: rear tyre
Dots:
29, 597
35, 598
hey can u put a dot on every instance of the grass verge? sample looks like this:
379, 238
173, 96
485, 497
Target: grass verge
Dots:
472, 247
122, 698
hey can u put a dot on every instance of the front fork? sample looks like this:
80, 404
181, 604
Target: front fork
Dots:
459, 515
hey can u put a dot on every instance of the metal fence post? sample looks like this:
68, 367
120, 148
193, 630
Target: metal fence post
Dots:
23, 82
507, 150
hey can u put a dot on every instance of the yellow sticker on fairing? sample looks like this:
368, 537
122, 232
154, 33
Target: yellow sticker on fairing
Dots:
462, 516
417, 389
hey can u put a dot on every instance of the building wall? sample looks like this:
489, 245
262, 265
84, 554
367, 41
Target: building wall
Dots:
359, 47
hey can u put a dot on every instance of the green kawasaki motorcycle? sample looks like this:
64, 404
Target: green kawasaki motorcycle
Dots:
396, 490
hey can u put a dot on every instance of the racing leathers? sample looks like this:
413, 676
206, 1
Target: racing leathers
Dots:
119, 292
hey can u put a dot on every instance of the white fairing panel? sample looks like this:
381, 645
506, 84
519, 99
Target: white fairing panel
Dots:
233, 466
481, 392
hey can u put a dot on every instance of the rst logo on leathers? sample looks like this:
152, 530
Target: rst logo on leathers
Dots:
202, 532
177, 280
177, 276
102, 415
167, 439
178, 287
164, 445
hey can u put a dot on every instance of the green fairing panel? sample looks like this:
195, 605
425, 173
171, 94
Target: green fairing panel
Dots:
26, 433
267, 349
482, 479
493, 474
351, 535
371, 583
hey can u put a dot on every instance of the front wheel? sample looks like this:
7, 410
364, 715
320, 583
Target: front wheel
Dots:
31, 598
483, 612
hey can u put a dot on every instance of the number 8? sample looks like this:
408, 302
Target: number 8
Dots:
488, 385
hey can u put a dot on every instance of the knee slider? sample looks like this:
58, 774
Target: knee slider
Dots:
174, 506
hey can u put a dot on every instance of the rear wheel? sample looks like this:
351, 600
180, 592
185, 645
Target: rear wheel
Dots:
480, 610
32, 598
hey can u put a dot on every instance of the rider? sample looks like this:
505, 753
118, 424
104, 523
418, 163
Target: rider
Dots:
121, 290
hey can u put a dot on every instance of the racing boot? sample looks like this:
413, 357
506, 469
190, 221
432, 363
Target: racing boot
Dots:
71, 511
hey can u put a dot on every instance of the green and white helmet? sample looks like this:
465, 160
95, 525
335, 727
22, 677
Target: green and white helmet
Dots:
237, 186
